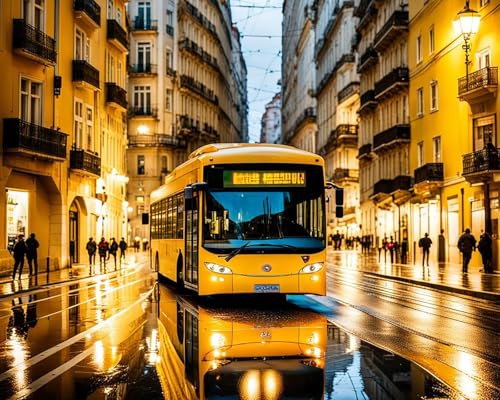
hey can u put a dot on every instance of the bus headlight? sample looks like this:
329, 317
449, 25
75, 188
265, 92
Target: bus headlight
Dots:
311, 268
220, 269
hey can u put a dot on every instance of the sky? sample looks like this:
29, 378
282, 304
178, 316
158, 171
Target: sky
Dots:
259, 23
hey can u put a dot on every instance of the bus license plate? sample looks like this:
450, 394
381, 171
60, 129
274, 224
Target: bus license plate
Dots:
267, 288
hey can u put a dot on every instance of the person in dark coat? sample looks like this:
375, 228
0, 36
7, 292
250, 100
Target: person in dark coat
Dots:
103, 248
485, 247
466, 244
20, 250
32, 255
113, 249
425, 243
91, 250
123, 247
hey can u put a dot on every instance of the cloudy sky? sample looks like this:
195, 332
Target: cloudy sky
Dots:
259, 23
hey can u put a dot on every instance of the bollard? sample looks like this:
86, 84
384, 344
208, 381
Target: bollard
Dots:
48, 262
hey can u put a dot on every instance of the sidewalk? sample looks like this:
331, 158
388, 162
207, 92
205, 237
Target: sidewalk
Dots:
447, 276
77, 273
443, 276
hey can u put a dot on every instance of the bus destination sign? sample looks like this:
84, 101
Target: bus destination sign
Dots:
264, 178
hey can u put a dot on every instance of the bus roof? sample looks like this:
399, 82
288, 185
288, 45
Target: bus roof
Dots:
279, 153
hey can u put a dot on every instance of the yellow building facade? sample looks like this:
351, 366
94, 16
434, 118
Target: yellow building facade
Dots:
453, 115
63, 130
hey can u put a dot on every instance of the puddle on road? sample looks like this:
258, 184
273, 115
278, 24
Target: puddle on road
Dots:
184, 349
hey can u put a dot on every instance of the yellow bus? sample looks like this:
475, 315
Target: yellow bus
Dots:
242, 218
209, 351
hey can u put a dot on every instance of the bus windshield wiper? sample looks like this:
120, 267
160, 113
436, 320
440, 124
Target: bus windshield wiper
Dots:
236, 251
282, 245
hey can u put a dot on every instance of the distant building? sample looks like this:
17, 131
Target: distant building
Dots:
270, 131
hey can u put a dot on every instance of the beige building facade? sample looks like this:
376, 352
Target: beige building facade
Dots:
62, 111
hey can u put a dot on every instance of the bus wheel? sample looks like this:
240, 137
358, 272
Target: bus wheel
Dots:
157, 263
180, 278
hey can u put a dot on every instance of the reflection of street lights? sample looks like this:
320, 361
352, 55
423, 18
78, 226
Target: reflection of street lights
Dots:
467, 23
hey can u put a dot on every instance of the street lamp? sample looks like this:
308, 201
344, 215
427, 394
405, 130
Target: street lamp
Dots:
467, 23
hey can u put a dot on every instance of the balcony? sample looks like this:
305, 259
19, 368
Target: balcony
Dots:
143, 69
391, 137
430, 172
156, 140
191, 84
394, 27
393, 82
89, 12
402, 182
382, 189
143, 112
347, 92
85, 74
116, 96
33, 140
85, 162
367, 101
117, 35
367, 59
479, 85
365, 151
481, 165
428, 179
33, 43
345, 174
141, 24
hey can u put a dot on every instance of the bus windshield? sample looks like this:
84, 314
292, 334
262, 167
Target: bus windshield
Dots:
280, 220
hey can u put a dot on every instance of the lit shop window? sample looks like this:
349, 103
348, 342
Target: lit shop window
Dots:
17, 215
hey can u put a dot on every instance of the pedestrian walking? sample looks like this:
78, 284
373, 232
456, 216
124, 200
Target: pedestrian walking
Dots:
404, 250
390, 247
466, 245
123, 247
20, 250
425, 243
441, 247
91, 250
336, 241
32, 255
103, 249
485, 247
113, 249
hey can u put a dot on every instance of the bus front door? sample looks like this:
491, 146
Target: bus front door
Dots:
190, 275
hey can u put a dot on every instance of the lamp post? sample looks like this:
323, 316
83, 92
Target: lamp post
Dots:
467, 23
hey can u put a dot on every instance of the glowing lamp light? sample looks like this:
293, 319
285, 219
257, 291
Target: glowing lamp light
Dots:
467, 21
142, 129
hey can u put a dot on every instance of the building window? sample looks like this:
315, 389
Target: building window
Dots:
431, 40
419, 49
111, 7
420, 154
170, 17
31, 101
141, 163
78, 125
143, 56
434, 96
169, 60
33, 13
90, 128
139, 199
420, 100
142, 98
168, 100
436, 149
82, 46
483, 59
144, 13
484, 131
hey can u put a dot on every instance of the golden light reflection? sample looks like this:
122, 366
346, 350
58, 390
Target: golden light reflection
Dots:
99, 354
217, 340
250, 385
273, 384
261, 385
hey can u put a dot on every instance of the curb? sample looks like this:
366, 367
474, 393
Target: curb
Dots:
445, 288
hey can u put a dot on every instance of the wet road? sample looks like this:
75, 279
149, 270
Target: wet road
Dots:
121, 336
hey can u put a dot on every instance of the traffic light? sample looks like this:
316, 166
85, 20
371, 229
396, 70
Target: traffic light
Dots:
339, 202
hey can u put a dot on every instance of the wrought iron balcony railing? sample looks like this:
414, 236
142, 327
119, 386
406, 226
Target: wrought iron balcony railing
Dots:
401, 182
89, 9
430, 172
397, 133
143, 111
33, 42
367, 100
382, 186
143, 69
478, 83
141, 24
483, 161
22, 136
115, 94
395, 25
117, 35
156, 140
365, 150
85, 160
348, 91
368, 58
84, 72
392, 81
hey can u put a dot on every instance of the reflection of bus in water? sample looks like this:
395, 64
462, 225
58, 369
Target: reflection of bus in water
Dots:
210, 353
242, 218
